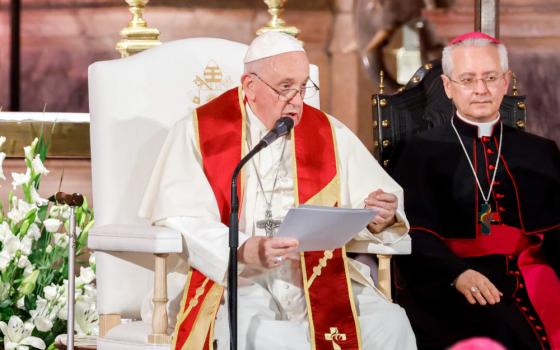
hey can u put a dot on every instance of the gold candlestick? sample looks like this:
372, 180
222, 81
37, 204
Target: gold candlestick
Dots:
137, 36
277, 24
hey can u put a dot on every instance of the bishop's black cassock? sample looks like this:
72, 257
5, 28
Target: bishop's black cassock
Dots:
520, 255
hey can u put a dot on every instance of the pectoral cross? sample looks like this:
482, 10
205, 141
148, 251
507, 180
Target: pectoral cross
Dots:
268, 224
485, 218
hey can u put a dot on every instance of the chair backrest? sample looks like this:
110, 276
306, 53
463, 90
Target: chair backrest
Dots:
133, 103
422, 104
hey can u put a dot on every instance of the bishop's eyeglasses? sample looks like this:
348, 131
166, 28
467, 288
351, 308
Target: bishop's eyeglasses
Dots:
469, 83
287, 94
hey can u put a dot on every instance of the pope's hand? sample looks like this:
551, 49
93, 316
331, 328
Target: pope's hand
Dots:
266, 252
477, 288
386, 204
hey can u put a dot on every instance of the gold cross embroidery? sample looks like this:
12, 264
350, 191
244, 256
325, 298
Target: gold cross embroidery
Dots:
334, 336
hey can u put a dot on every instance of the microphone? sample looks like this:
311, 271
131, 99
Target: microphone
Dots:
282, 127
73, 200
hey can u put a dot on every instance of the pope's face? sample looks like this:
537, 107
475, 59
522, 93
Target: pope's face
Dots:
267, 88
477, 83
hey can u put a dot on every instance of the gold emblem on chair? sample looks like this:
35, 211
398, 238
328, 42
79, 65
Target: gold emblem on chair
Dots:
334, 337
211, 84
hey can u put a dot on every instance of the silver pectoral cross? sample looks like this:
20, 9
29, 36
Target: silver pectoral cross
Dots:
268, 224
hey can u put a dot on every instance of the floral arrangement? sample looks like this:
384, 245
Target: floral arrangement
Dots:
33, 261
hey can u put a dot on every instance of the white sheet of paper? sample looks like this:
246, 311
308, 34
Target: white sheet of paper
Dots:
324, 228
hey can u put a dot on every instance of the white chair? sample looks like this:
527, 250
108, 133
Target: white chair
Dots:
133, 103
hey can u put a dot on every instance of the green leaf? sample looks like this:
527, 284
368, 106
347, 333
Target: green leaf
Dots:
43, 211
42, 146
31, 215
10, 196
28, 284
26, 193
23, 229
5, 304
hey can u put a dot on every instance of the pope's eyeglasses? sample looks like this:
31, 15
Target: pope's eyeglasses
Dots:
287, 94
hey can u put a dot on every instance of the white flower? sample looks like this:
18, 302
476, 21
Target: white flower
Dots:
38, 166
2, 157
26, 243
15, 215
23, 262
18, 334
86, 274
44, 313
28, 270
43, 324
12, 245
56, 211
5, 231
20, 179
41, 308
4, 259
2, 140
34, 232
21, 303
61, 240
92, 259
20, 208
36, 198
52, 225
62, 314
87, 319
90, 293
4, 290
60, 211
28, 152
48, 249
50, 292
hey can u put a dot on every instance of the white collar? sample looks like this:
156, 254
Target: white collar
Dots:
484, 128
253, 120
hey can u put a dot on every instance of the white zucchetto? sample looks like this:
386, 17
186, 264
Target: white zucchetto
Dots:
271, 44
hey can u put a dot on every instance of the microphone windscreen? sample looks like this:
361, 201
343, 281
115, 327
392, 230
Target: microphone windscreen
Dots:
284, 125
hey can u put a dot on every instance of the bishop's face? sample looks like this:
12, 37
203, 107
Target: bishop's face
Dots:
275, 90
477, 83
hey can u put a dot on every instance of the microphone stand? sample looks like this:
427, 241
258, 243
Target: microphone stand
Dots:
234, 244
281, 128
72, 200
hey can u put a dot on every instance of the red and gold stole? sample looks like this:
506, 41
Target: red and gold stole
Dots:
221, 129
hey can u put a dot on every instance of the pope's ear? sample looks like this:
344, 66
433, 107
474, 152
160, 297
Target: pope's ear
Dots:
248, 84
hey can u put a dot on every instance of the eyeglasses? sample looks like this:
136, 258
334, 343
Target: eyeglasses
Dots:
469, 83
287, 94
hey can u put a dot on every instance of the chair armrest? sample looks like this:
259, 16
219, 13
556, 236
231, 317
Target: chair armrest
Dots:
135, 238
402, 246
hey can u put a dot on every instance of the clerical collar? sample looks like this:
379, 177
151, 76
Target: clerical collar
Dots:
479, 129
254, 121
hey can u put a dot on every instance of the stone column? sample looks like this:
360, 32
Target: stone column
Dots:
350, 88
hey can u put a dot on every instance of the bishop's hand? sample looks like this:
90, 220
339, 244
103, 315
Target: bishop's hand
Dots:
477, 288
386, 204
266, 252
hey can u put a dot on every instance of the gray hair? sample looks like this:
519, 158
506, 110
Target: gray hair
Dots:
447, 62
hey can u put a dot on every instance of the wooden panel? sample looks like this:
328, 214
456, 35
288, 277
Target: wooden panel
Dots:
77, 177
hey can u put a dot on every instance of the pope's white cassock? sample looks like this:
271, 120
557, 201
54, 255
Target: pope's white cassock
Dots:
272, 305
